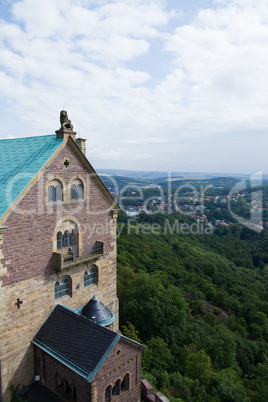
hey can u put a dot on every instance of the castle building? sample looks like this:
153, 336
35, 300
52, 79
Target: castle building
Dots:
58, 303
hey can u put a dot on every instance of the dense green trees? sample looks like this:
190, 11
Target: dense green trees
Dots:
199, 303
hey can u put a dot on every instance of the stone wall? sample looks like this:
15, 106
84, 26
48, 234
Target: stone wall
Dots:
30, 238
52, 372
124, 359
115, 368
26, 269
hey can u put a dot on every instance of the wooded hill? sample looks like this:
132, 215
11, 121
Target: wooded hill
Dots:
199, 303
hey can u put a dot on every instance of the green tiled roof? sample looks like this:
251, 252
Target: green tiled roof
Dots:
20, 160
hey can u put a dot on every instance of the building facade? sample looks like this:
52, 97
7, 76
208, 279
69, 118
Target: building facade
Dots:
57, 247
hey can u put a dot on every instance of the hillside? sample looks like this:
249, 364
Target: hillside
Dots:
199, 303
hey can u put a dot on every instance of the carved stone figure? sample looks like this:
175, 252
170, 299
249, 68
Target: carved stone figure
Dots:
66, 124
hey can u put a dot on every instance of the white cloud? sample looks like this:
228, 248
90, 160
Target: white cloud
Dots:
223, 56
95, 59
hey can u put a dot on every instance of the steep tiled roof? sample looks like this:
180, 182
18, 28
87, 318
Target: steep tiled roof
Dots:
76, 341
20, 160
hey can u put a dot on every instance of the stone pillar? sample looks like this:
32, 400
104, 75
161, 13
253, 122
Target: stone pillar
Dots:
81, 142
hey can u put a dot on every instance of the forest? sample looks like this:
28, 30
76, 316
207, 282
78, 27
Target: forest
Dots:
199, 302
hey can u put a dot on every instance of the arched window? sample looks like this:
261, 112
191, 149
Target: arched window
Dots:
67, 239
55, 192
62, 289
59, 241
68, 389
57, 290
73, 238
125, 383
74, 392
90, 277
58, 380
59, 383
116, 388
77, 190
108, 393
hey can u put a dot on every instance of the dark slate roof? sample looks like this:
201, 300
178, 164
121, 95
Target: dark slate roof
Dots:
96, 311
76, 341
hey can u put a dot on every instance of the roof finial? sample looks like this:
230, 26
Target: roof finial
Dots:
66, 128
66, 124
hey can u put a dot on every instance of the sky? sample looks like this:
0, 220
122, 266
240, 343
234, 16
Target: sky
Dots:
170, 85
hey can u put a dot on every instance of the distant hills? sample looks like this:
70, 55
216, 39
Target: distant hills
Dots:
143, 178
164, 174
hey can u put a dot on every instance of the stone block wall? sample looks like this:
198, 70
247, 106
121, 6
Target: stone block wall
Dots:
115, 368
26, 268
124, 359
52, 373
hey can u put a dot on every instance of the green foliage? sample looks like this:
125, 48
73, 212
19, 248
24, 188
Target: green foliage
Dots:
157, 311
211, 319
198, 365
14, 393
157, 355
130, 332
257, 383
226, 386
200, 305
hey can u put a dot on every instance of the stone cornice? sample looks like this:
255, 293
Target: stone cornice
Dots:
2, 229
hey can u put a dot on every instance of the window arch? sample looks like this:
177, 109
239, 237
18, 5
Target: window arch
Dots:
108, 393
74, 392
59, 383
125, 383
67, 239
77, 190
62, 289
68, 388
55, 191
59, 241
58, 380
116, 388
91, 276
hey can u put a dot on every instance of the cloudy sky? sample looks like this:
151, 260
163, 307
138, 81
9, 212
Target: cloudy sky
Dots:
177, 85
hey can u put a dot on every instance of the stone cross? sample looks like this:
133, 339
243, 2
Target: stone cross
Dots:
19, 302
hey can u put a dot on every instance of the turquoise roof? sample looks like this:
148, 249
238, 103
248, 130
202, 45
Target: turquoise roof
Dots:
20, 160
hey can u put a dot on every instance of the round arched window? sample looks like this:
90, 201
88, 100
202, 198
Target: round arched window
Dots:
55, 191
90, 277
77, 190
62, 289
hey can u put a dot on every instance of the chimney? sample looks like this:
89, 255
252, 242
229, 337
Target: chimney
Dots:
66, 128
81, 142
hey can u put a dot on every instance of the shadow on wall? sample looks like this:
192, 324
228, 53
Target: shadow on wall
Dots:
24, 370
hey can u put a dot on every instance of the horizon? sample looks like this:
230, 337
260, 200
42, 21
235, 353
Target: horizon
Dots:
233, 174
